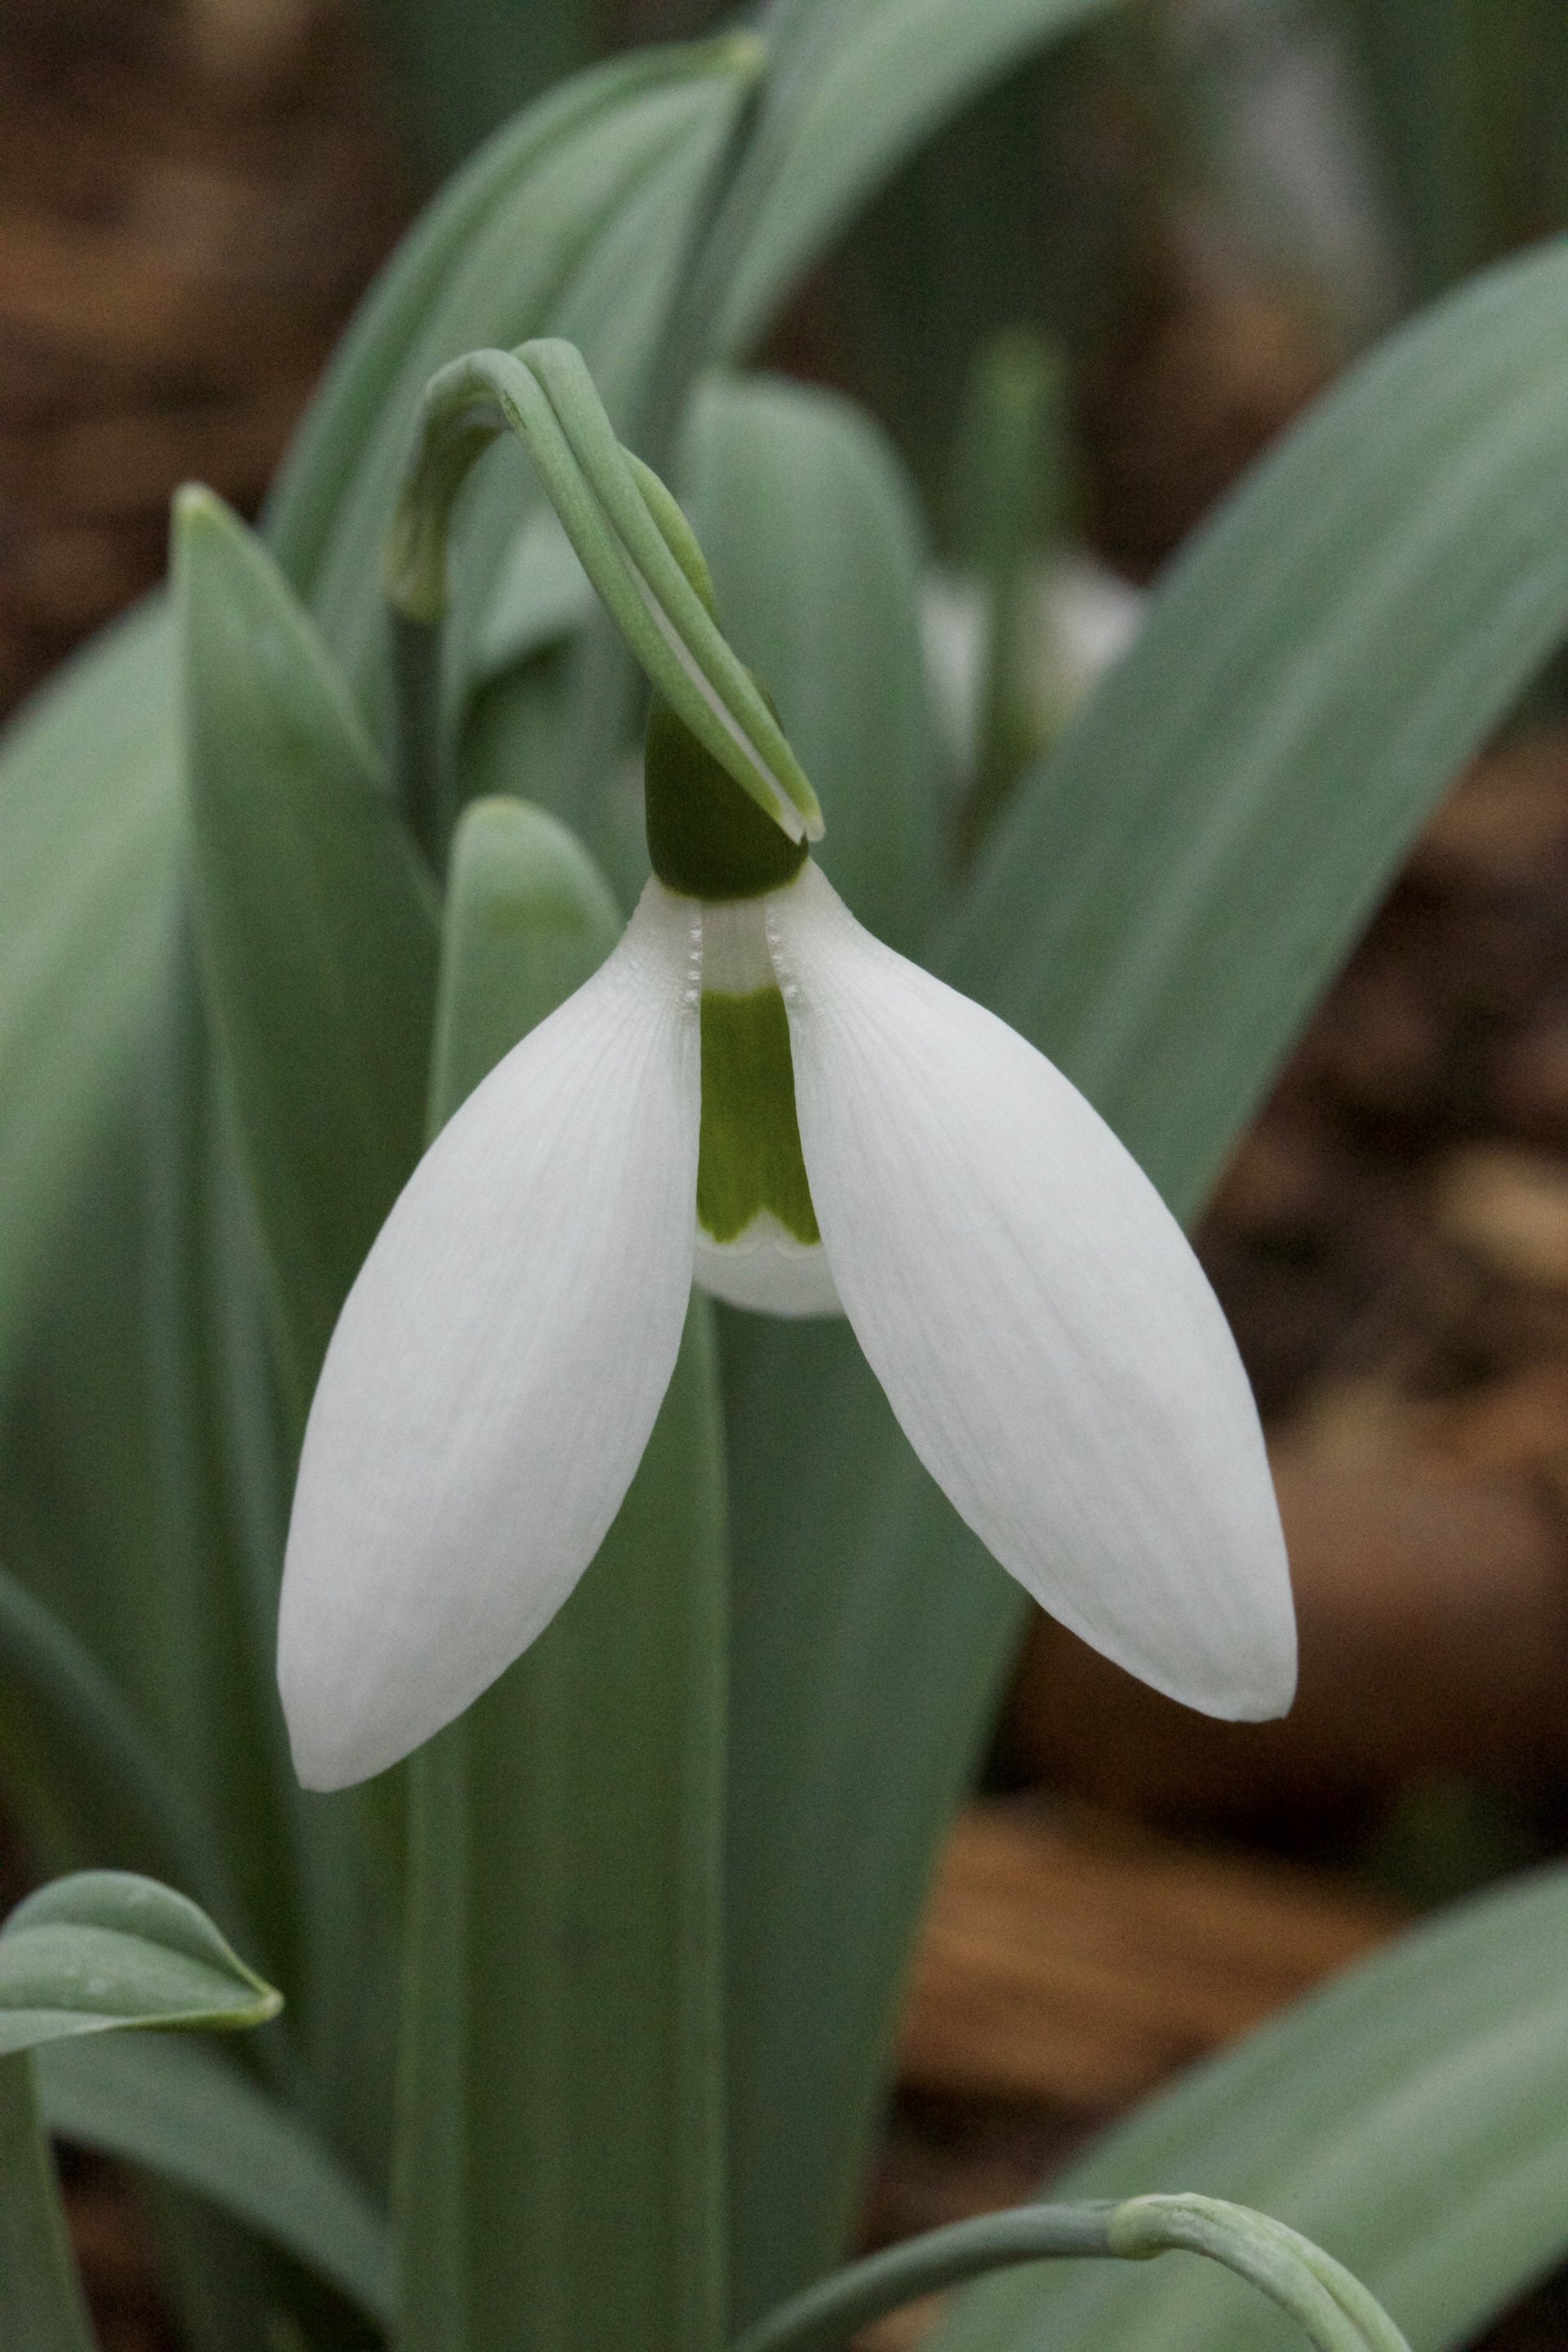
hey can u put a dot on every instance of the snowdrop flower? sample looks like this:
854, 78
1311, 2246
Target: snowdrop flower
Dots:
755, 1092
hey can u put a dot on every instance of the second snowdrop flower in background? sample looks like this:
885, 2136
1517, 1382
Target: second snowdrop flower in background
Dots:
755, 1092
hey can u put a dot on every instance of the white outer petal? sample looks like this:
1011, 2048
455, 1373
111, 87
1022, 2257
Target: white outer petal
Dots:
496, 1371
1043, 1331
766, 1269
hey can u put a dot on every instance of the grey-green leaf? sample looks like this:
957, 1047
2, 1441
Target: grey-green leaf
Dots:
528, 919
882, 74
540, 191
182, 2110
105, 1949
1159, 912
42, 2307
66, 1725
580, 238
597, 1784
1313, 674
1412, 2118
315, 923
87, 838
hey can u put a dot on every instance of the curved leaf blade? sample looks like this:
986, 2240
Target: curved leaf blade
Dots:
1412, 2118
88, 822
374, 365
105, 1949
315, 923
584, 244
1311, 675
183, 2112
885, 74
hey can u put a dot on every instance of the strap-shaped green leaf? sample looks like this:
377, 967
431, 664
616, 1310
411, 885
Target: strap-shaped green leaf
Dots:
87, 853
885, 73
1311, 675
105, 1949
585, 1790
585, 242
315, 923
488, 262
181, 2111
140, 1503
315, 934
1169, 896
816, 544
1412, 2118
41, 2302
596, 1769
529, 917
64, 1717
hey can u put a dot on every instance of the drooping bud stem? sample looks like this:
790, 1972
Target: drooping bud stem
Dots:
629, 535
1336, 2312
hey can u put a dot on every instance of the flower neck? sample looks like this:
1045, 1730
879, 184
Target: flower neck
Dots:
706, 838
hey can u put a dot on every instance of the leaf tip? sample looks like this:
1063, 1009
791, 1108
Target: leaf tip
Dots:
743, 56
196, 507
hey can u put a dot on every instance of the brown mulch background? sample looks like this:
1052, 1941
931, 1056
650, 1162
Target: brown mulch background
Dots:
192, 196
191, 199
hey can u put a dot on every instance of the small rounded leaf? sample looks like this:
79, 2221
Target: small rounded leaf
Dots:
105, 1949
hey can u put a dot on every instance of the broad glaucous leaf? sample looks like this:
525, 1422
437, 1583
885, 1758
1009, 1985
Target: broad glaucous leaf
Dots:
1313, 674
315, 923
1412, 2118
188, 2116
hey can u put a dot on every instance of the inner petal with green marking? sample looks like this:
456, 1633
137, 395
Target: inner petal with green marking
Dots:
749, 1157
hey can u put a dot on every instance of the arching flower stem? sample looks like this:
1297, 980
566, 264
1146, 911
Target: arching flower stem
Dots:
630, 540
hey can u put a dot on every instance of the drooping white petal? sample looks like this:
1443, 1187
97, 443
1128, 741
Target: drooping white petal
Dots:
496, 1371
767, 1270
1040, 1324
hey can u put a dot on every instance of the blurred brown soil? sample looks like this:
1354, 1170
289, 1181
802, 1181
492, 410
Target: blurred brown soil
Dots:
192, 194
1137, 1952
117, 2255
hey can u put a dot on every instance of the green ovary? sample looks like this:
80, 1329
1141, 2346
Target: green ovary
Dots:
749, 1157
